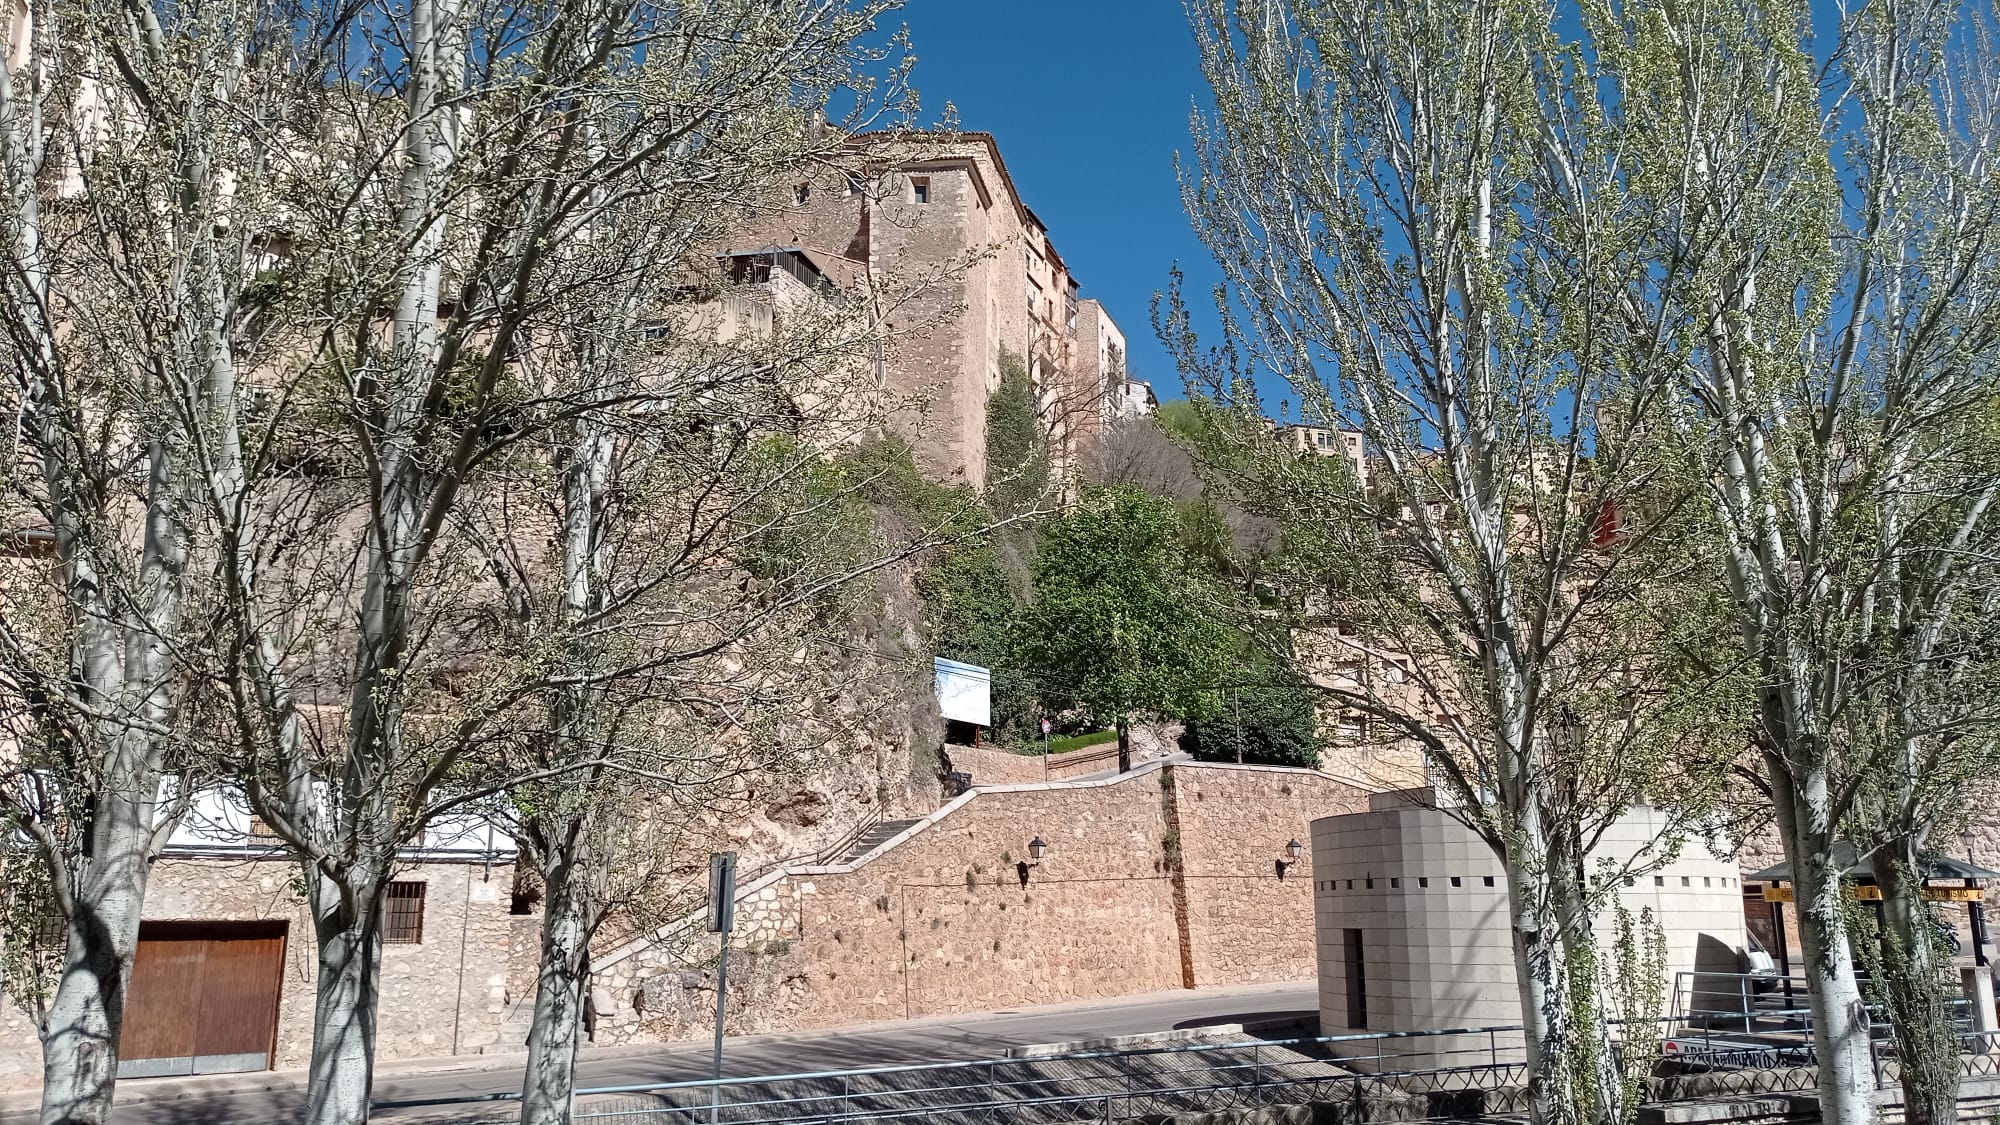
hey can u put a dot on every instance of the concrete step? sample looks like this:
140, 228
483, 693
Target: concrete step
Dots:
874, 838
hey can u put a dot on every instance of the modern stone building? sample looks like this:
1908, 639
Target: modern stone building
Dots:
932, 229
1413, 932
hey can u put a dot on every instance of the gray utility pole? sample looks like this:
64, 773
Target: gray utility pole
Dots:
721, 920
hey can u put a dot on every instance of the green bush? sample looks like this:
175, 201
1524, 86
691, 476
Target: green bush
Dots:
1271, 724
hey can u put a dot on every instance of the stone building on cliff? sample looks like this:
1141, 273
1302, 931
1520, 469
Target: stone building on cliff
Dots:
932, 231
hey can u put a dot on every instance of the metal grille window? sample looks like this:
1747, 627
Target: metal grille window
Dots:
403, 914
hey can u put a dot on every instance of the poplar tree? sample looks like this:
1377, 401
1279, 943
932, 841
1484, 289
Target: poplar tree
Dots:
1431, 229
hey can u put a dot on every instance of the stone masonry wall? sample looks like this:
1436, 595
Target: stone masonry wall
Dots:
941, 921
1245, 923
990, 766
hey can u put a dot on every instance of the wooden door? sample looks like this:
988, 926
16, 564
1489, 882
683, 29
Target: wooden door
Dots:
203, 999
238, 1020
160, 1006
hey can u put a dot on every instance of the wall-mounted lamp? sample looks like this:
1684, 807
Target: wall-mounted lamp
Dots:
1037, 848
1293, 851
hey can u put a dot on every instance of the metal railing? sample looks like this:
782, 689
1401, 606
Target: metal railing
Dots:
1763, 1048
1411, 1074
1091, 1086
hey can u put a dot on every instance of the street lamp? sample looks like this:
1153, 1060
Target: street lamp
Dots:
1036, 849
1295, 849
1975, 911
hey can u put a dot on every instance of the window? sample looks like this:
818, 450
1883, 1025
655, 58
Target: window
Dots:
259, 830
1489, 879
1423, 881
855, 184
1455, 881
1659, 880
920, 189
403, 914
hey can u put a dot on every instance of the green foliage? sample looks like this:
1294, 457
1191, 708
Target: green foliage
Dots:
970, 596
1079, 741
1017, 451
1120, 621
1269, 722
805, 520
1635, 985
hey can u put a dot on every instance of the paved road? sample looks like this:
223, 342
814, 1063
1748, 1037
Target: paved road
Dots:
983, 1035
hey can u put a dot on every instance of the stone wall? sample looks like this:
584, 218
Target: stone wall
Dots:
953, 917
1246, 922
993, 766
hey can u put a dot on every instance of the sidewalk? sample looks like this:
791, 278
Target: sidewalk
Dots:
965, 1035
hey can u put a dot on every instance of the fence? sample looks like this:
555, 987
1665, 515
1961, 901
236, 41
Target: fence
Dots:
1764, 1048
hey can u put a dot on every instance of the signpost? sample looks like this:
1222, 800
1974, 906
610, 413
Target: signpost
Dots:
721, 920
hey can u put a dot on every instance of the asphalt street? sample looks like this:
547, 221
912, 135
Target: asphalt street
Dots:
417, 1097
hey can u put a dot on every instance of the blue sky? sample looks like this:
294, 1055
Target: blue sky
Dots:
1089, 101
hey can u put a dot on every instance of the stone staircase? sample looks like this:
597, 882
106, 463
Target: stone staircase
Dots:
874, 838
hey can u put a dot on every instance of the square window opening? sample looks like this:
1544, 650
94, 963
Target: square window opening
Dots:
403, 913
1489, 879
920, 189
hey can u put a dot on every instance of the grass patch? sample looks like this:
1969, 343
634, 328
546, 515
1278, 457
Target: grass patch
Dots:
1079, 741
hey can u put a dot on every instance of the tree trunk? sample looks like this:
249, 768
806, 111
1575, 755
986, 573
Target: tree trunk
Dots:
1833, 994
344, 1005
1913, 992
1124, 745
80, 1031
570, 916
1542, 970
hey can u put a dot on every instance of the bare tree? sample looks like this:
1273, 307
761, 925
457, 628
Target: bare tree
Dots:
454, 154
670, 557
132, 142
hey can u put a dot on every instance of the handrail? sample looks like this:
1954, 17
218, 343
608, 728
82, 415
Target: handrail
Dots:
815, 859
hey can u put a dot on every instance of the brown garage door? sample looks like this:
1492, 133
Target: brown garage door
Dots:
204, 998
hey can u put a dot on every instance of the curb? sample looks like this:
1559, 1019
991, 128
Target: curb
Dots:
1156, 1038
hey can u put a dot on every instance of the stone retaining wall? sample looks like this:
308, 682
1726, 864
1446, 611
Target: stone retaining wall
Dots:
993, 766
954, 917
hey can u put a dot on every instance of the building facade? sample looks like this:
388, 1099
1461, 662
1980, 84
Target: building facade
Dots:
224, 976
1413, 930
963, 278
